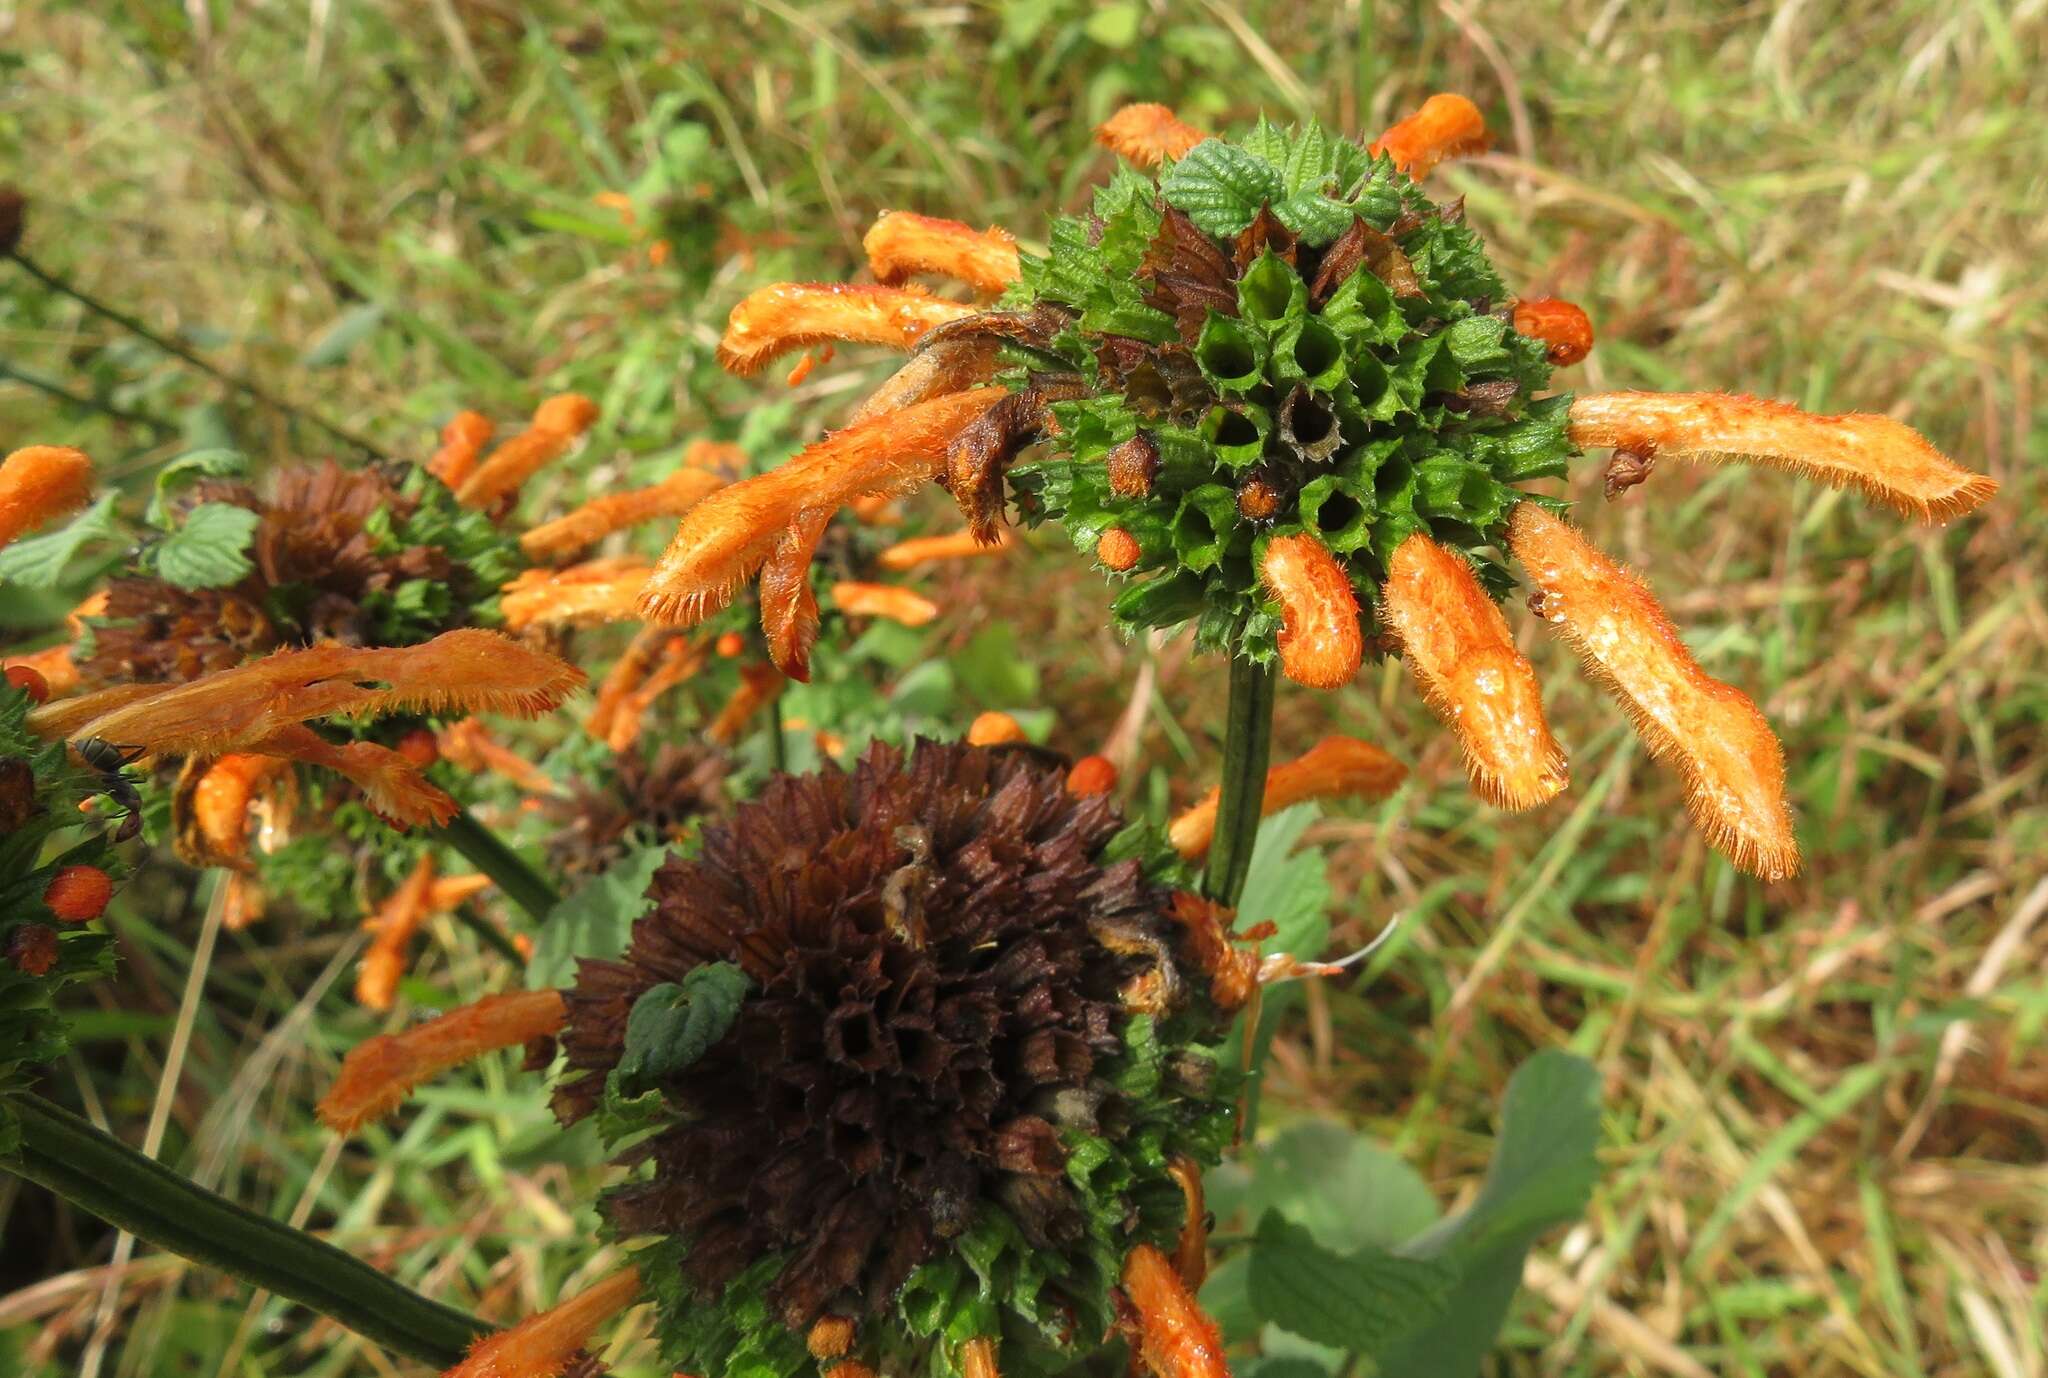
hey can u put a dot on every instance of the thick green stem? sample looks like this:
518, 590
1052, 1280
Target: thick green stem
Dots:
105, 1177
1247, 733
523, 885
778, 742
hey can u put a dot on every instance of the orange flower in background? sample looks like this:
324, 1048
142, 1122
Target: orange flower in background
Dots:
594, 592
796, 315
462, 442
902, 245
1447, 126
883, 600
379, 1073
993, 729
601, 516
953, 545
759, 686
1334, 768
1147, 134
679, 661
391, 784
215, 802
470, 745
558, 424
397, 922
543, 1346
38, 483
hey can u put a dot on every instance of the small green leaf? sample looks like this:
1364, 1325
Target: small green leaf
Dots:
39, 561
1356, 1303
675, 1023
1115, 26
1314, 216
594, 919
211, 462
208, 550
349, 329
1221, 186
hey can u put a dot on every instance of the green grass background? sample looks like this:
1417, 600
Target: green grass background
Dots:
385, 211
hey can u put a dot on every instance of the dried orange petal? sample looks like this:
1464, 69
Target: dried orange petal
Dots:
902, 605
558, 424
38, 483
1321, 643
796, 315
1733, 768
901, 245
379, 1073
1174, 1338
953, 545
1147, 134
601, 516
1890, 461
596, 591
1458, 648
1336, 767
942, 367
1563, 327
1447, 126
542, 1346
462, 441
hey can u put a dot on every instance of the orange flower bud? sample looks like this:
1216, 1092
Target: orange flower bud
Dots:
1562, 326
419, 747
954, 545
993, 729
1334, 768
1091, 775
1446, 126
1321, 643
594, 592
796, 315
557, 425
978, 1359
901, 245
1117, 549
801, 370
462, 440
78, 894
1173, 1337
38, 483
1733, 768
601, 516
730, 644
759, 686
883, 600
1147, 134
379, 1073
1457, 646
542, 1346
1891, 462
831, 1337
29, 680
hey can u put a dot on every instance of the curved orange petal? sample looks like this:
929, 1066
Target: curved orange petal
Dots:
468, 743
759, 686
38, 483
1447, 126
796, 315
1458, 648
679, 661
1564, 328
897, 604
1174, 1338
624, 677
542, 1346
939, 368
1191, 1253
1334, 768
1321, 643
379, 1073
1147, 133
1890, 461
1733, 768
953, 545
596, 591
601, 516
394, 924
558, 423
789, 608
220, 803
901, 244
392, 786
462, 441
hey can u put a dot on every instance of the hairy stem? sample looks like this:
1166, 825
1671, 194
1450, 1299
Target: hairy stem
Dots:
103, 1176
1247, 735
486, 851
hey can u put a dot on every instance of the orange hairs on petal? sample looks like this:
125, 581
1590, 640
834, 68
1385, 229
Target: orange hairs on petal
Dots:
759, 686
942, 367
1458, 648
462, 441
1733, 768
978, 1359
392, 786
1321, 643
469, 745
1147, 134
954, 545
789, 607
728, 536
38, 483
883, 600
901, 245
379, 1073
601, 516
796, 315
1446, 126
1890, 461
596, 591
1174, 1338
543, 1346
1565, 329
1334, 768
558, 424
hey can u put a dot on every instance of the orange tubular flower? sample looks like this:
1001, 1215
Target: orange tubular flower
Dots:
379, 1073
944, 367
730, 534
901, 245
954, 545
543, 1346
1173, 1337
993, 729
557, 425
394, 924
679, 661
53, 667
1891, 462
1733, 768
596, 591
391, 784
601, 516
883, 600
1457, 646
462, 441
221, 801
759, 686
1147, 134
796, 315
470, 745
1321, 644
38, 483
978, 1359
1191, 1253
1334, 768
1561, 325
789, 608
1447, 126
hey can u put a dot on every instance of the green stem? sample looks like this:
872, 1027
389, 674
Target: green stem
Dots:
178, 351
1247, 733
85, 403
778, 747
486, 851
102, 1175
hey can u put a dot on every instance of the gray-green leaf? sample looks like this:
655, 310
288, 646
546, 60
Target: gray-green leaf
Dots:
209, 549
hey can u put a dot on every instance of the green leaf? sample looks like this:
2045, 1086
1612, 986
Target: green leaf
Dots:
675, 1023
594, 919
1221, 186
208, 549
349, 329
1314, 216
1114, 26
1356, 1303
39, 561
1346, 1190
211, 462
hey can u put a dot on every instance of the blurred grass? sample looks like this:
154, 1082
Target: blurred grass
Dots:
386, 212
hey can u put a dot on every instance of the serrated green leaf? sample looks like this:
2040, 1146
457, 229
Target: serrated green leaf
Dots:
1357, 1303
1221, 186
594, 919
1308, 160
209, 548
212, 462
675, 1023
39, 562
1314, 216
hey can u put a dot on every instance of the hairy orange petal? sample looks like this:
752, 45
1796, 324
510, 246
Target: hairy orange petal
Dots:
594, 592
1334, 768
1890, 461
38, 483
978, 1359
392, 785
462, 441
759, 686
379, 1073
394, 923
1563, 327
1175, 1339
728, 536
542, 1346
1447, 126
944, 366
796, 315
601, 516
1733, 768
557, 425
221, 800
883, 600
901, 244
1321, 643
993, 729
789, 607
625, 676
470, 745
679, 661
953, 545
1458, 648
1147, 134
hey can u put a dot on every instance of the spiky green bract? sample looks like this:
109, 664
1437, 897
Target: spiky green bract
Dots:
1393, 399
481, 556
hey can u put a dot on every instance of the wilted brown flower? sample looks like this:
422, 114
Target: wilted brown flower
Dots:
638, 798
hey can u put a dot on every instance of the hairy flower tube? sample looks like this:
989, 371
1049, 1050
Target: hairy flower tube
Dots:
379, 1073
1334, 768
